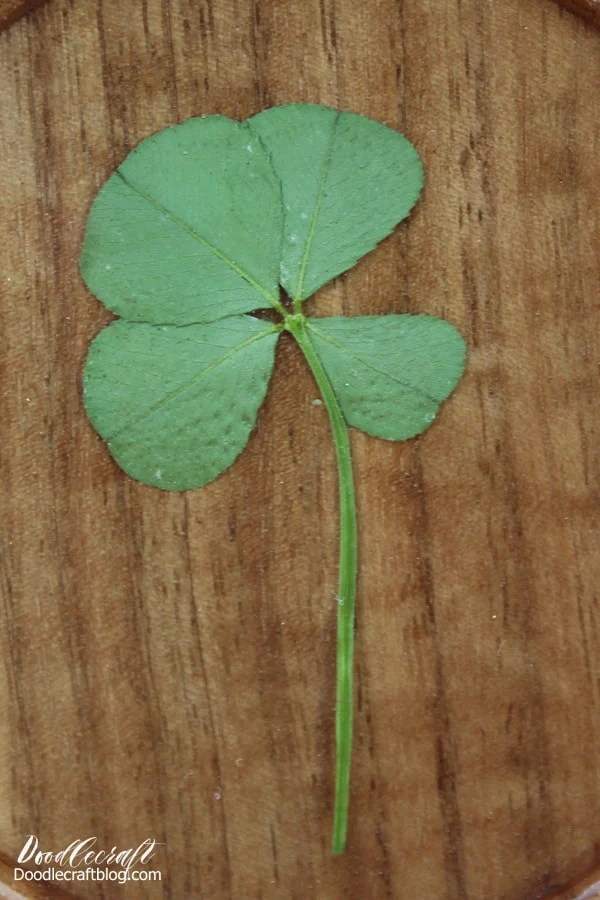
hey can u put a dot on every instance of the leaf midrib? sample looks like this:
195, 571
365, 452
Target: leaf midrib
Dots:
313, 225
406, 384
198, 237
186, 384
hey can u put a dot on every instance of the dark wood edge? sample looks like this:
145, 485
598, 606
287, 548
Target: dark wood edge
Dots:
586, 887
11, 10
589, 10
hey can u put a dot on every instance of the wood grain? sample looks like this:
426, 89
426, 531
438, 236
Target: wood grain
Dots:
11, 10
585, 888
168, 660
587, 9
12, 888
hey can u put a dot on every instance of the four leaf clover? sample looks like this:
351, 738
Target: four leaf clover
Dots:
199, 227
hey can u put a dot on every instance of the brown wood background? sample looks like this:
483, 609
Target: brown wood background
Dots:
168, 660
11, 10
589, 9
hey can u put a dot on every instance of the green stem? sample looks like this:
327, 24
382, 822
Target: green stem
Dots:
299, 327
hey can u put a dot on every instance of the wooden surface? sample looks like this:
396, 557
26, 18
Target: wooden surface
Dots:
11, 10
168, 660
586, 888
587, 9
12, 888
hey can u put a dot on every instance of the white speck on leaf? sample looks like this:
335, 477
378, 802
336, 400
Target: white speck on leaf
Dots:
158, 474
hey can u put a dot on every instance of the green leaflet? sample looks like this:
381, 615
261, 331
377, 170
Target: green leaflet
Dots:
390, 373
347, 181
177, 405
188, 229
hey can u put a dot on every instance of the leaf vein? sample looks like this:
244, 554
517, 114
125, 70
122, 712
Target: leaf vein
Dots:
214, 250
313, 224
344, 349
190, 381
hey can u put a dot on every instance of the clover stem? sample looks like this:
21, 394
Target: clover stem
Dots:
347, 581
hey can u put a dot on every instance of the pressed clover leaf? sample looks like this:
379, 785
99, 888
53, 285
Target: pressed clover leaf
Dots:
189, 227
196, 229
390, 373
177, 405
347, 181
